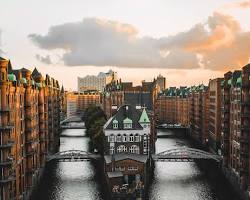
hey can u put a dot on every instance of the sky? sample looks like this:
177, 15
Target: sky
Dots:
188, 42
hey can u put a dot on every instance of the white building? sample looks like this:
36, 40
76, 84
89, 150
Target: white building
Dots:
96, 82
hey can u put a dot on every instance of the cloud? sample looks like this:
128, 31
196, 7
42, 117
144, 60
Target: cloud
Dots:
242, 4
100, 42
217, 44
44, 59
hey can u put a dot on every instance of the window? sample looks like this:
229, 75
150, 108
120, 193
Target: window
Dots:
111, 150
134, 149
137, 137
121, 149
111, 138
118, 138
115, 126
124, 138
131, 138
128, 126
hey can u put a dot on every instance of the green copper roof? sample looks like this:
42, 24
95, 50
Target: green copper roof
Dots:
222, 82
12, 77
144, 117
127, 121
39, 85
23, 80
239, 80
115, 121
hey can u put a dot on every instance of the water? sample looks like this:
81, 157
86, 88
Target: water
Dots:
172, 181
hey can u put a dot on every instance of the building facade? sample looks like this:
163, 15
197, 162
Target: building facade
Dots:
236, 127
24, 129
214, 127
127, 147
97, 83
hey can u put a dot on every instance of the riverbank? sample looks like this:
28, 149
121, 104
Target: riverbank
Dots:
224, 172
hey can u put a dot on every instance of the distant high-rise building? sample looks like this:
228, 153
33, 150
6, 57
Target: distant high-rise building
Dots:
96, 82
161, 81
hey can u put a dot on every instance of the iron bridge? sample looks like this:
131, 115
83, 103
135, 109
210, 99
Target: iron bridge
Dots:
184, 154
73, 156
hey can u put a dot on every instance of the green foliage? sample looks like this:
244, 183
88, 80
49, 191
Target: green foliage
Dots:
95, 118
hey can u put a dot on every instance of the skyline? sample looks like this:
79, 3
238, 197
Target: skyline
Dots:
209, 43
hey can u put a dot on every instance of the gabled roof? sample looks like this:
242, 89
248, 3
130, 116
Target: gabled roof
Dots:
144, 117
125, 111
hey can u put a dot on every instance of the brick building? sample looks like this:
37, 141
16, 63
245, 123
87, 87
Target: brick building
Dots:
214, 127
236, 126
24, 128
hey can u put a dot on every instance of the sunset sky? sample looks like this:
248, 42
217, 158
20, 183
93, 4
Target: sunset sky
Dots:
188, 41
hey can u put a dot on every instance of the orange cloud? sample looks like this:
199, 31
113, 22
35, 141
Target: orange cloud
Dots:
242, 5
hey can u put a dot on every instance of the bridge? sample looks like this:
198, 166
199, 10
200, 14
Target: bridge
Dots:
184, 154
74, 122
73, 156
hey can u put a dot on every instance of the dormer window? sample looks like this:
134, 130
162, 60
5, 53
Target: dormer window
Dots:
127, 123
115, 124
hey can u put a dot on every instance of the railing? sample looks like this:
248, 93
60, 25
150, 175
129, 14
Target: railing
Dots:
185, 154
73, 156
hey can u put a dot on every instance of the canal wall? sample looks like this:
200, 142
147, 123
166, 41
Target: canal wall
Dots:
225, 172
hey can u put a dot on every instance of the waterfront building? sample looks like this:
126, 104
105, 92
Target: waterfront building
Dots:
236, 127
143, 95
96, 82
86, 99
78, 102
127, 147
71, 99
198, 113
25, 129
214, 127
172, 106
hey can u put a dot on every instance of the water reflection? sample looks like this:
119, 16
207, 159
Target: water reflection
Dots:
172, 181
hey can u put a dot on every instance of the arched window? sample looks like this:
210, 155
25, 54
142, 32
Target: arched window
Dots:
121, 149
124, 138
111, 150
137, 137
111, 138
134, 149
131, 138
118, 138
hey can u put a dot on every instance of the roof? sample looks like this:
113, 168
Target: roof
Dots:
123, 156
144, 117
114, 174
124, 112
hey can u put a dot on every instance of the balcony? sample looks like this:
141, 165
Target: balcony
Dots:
33, 140
244, 153
5, 180
6, 162
244, 140
30, 153
245, 128
246, 103
245, 115
9, 144
6, 109
7, 127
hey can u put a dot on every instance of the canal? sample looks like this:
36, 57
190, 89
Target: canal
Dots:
172, 181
